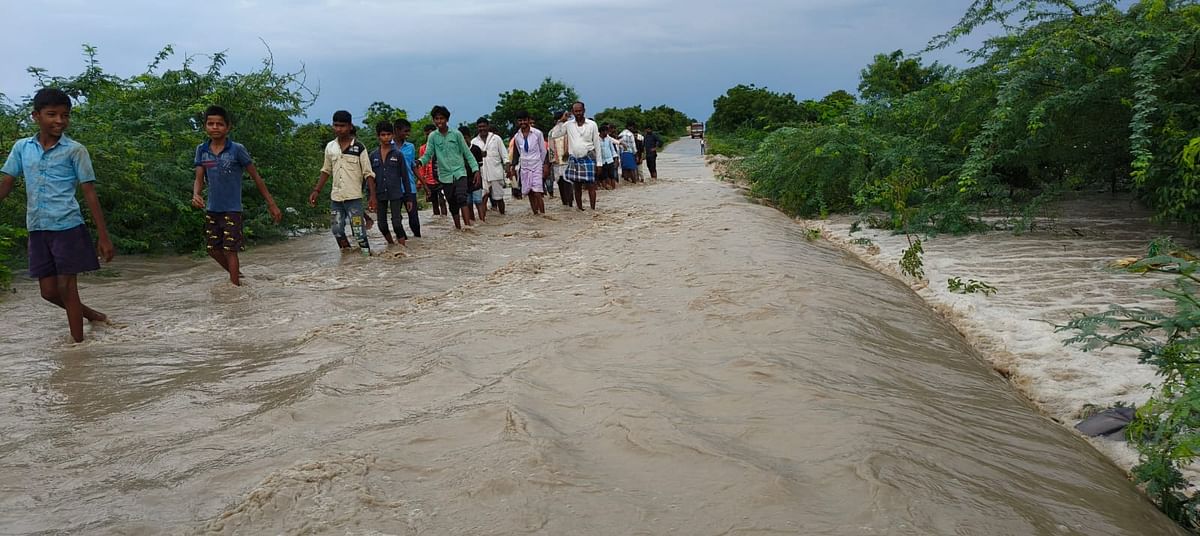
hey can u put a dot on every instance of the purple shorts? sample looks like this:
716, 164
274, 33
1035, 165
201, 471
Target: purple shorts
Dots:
67, 252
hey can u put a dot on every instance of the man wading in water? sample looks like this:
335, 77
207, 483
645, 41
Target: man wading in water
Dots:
530, 162
453, 158
583, 146
495, 160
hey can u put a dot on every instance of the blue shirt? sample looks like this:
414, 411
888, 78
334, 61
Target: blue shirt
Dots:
410, 155
224, 172
606, 152
51, 178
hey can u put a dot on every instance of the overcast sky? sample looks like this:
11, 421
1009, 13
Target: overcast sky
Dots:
464, 53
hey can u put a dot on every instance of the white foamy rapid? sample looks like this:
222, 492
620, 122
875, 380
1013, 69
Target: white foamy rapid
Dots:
1061, 268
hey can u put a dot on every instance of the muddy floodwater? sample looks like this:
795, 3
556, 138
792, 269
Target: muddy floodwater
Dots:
681, 361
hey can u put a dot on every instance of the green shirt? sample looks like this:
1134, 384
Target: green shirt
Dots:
452, 154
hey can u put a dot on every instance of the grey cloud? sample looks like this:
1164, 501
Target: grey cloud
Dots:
620, 52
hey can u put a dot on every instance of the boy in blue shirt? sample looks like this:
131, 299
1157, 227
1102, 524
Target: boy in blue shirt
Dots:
60, 246
402, 129
221, 162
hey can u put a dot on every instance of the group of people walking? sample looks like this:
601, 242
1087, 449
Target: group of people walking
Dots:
460, 179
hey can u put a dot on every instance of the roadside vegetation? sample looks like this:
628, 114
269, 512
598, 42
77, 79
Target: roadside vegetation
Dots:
1073, 96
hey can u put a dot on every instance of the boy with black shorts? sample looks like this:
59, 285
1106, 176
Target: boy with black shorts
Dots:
221, 162
60, 246
453, 158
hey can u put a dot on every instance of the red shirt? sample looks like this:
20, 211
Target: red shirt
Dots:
426, 171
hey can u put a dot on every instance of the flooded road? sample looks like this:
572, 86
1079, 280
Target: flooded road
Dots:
681, 361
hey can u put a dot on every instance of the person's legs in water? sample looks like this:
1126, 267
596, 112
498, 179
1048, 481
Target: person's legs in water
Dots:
627, 164
49, 288
68, 291
453, 206
354, 207
462, 196
566, 190
397, 209
481, 204
414, 218
55, 252
592, 194
382, 212
578, 196
431, 196
496, 191
474, 199
223, 260
223, 240
652, 165
339, 216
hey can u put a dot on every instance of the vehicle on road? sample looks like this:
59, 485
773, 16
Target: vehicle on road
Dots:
697, 130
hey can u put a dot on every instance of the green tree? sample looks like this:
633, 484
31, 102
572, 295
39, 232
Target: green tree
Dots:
890, 76
665, 120
548, 97
833, 107
755, 108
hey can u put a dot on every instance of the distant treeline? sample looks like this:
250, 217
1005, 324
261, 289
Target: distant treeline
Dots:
142, 132
1072, 96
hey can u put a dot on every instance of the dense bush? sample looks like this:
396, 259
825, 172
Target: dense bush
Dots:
1072, 96
811, 171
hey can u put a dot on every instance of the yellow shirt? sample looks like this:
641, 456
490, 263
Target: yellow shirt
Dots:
348, 169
